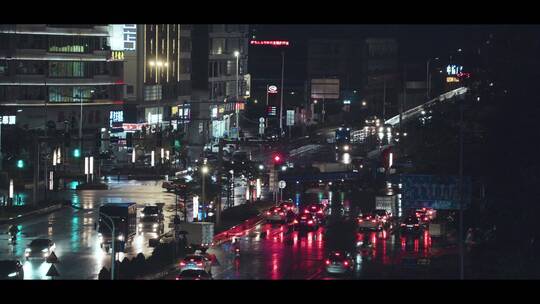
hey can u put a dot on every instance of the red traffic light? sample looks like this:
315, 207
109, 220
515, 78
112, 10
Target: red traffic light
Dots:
277, 158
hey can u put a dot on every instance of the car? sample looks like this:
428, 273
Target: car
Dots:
11, 270
384, 216
368, 221
411, 224
339, 262
288, 206
192, 274
151, 219
306, 221
196, 262
276, 214
39, 248
317, 210
425, 215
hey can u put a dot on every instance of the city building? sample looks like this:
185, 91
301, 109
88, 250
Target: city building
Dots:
162, 61
228, 78
52, 73
382, 78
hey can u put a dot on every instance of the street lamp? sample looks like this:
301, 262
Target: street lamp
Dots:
237, 55
204, 171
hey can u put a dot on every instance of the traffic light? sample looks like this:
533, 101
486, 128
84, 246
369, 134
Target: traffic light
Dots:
277, 159
77, 153
20, 163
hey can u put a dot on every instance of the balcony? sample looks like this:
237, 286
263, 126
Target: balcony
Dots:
43, 29
26, 54
40, 80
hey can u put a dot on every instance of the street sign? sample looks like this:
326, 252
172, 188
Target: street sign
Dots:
432, 191
272, 89
282, 184
52, 258
290, 118
53, 272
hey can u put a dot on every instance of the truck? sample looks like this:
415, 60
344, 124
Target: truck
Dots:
387, 203
124, 216
199, 234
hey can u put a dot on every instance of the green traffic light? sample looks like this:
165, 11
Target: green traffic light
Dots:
176, 143
77, 153
20, 164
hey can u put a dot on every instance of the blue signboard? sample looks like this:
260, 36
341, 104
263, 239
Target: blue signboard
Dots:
431, 191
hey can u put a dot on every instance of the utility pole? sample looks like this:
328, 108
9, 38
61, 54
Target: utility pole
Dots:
220, 167
384, 100
461, 249
282, 89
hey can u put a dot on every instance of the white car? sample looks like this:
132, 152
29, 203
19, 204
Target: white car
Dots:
369, 222
196, 262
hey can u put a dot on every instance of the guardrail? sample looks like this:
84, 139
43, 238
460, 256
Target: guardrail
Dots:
303, 149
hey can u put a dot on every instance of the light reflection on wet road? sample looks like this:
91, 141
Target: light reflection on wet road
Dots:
77, 245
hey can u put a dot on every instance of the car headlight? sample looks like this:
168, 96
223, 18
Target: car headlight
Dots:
45, 250
11, 275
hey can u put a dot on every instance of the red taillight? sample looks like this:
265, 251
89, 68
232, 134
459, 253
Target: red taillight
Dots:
182, 264
306, 211
199, 264
346, 263
268, 213
237, 250
295, 222
177, 278
319, 212
281, 213
416, 225
402, 225
360, 220
310, 222
337, 254
327, 262
373, 221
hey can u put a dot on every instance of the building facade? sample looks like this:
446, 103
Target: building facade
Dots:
50, 74
163, 65
382, 81
228, 78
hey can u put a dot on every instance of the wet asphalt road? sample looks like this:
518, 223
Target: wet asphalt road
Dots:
77, 244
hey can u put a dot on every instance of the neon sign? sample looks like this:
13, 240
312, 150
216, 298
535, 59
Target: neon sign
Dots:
272, 89
270, 42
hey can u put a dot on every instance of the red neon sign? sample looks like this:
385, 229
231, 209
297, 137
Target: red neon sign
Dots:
270, 42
